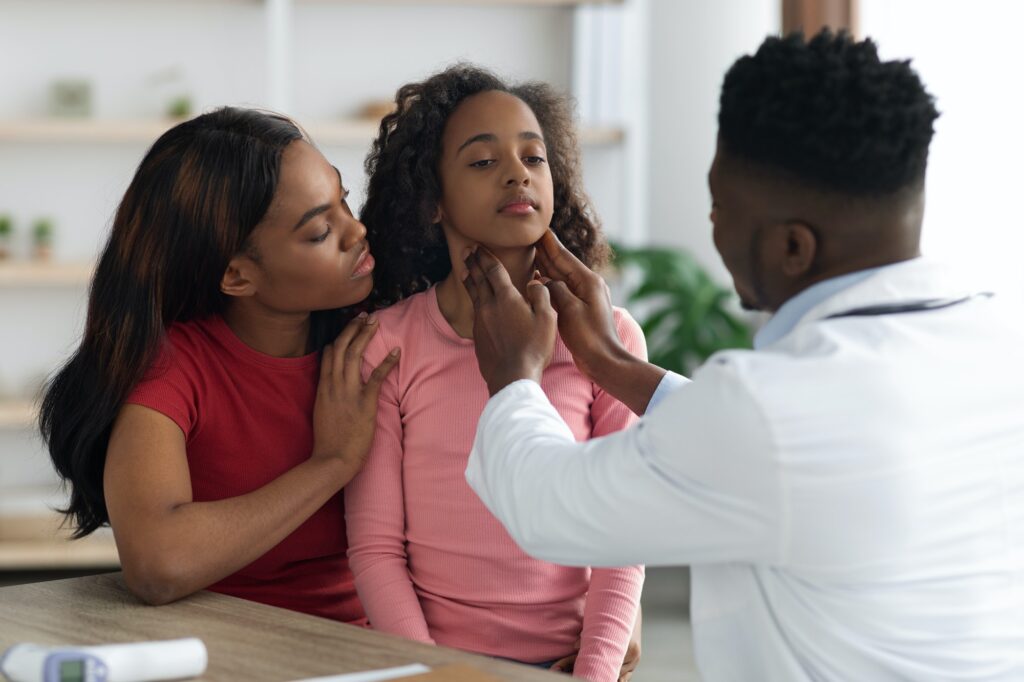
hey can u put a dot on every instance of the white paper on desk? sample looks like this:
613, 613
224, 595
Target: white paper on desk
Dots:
373, 675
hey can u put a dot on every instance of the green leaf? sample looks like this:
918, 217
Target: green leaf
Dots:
686, 317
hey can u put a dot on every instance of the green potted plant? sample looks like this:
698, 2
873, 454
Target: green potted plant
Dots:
686, 316
42, 239
180, 107
6, 235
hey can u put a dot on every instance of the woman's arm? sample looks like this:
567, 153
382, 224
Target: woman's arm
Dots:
375, 521
171, 546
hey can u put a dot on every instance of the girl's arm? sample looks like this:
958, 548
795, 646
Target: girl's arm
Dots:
171, 546
613, 599
375, 520
613, 603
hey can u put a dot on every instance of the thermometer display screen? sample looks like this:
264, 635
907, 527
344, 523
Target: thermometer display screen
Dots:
72, 671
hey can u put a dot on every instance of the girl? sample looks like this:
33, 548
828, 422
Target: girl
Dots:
468, 160
191, 417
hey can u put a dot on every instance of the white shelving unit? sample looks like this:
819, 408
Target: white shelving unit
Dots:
272, 66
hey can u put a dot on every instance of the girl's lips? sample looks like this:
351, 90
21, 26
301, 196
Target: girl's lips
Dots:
364, 265
520, 208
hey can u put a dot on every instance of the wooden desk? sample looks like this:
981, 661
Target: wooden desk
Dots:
245, 640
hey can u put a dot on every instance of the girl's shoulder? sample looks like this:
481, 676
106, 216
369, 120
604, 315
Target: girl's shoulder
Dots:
416, 317
407, 322
625, 324
405, 311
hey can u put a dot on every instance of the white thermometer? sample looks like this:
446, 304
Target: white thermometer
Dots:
138, 662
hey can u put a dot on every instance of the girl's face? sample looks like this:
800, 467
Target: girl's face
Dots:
311, 251
496, 186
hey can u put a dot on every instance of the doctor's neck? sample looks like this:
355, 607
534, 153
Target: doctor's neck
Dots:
836, 235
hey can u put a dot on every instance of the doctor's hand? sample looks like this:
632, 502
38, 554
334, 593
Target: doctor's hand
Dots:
514, 336
586, 324
584, 304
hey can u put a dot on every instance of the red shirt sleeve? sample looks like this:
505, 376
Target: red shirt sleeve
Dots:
171, 388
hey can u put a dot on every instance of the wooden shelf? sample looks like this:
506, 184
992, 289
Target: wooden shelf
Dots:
26, 273
37, 541
595, 136
82, 130
17, 415
58, 554
340, 132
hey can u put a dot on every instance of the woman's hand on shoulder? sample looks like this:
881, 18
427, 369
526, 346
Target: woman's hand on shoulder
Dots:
345, 413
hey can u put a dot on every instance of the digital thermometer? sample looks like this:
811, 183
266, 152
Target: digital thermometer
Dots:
138, 662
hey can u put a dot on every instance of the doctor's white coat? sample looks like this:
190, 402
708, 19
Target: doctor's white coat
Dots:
850, 498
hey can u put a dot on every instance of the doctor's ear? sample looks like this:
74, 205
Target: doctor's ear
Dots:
801, 247
240, 276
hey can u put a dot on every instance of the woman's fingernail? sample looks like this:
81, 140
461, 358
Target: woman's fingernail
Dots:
395, 352
372, 319
361, 316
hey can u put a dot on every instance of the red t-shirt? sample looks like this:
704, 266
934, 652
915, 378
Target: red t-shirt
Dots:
247, 419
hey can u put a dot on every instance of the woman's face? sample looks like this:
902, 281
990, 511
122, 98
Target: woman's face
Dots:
311, 252
496, 186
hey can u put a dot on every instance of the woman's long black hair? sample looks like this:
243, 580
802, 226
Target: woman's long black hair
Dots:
191, 206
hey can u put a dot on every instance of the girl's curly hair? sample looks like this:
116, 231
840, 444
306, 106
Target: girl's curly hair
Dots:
404, 184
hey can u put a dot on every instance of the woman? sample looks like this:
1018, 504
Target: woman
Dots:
195, 416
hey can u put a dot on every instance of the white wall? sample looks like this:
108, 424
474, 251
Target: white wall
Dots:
692, 44
138, 55
969, 57
128, 49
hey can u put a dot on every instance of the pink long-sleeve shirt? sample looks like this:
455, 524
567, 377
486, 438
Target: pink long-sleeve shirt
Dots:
430, 561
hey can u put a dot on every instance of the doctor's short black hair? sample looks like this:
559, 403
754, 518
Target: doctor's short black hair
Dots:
830, 113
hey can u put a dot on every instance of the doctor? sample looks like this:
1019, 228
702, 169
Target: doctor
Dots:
850, 494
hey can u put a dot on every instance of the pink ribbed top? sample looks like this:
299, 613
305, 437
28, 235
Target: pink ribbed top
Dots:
430, 561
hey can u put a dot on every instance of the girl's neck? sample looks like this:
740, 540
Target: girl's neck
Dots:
271, 332
453, 299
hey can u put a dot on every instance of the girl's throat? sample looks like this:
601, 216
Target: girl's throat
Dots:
454, 301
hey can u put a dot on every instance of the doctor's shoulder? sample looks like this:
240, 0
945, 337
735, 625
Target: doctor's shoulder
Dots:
791, 369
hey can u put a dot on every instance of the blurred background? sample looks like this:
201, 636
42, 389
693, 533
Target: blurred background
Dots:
87, 85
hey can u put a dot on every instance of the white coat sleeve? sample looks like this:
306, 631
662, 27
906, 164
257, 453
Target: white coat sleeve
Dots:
695, 481
668, 384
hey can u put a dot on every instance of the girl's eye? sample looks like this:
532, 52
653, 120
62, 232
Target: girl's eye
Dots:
534, 160
323, 237
484, 163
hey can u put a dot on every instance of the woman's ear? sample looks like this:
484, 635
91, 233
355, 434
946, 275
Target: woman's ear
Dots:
438, 215
240, 277
800, 250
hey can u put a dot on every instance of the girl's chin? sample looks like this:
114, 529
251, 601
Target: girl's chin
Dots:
523, 241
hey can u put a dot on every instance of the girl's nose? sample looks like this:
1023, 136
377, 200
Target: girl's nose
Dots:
518, 174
